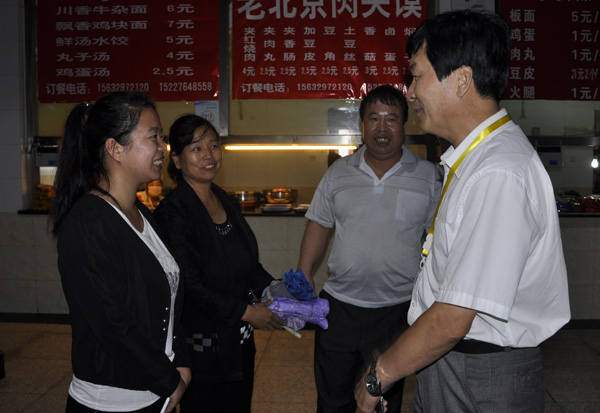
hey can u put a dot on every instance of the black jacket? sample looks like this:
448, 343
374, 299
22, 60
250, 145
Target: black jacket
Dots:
119, 300
214, 301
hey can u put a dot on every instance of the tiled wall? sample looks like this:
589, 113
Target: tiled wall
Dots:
29, 279
30, 283
581, 245
279, 245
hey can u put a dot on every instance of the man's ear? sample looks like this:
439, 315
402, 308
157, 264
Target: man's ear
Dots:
464, 80
113, 149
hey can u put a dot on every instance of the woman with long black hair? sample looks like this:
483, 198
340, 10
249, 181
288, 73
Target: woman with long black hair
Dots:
120, 281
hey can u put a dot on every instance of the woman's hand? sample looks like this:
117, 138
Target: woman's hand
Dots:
262, 318
175, 398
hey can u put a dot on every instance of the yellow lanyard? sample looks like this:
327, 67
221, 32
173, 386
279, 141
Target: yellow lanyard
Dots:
484, 133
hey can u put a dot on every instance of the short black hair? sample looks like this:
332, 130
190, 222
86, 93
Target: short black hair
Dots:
388, 95
480, 40
181, 135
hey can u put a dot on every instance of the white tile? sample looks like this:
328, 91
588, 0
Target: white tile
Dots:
596, 302
580, 298
46, 264
12, 132
296, 226
274, 261
596, 223
578, 234
12, 195
18, 296
580, 266
42, 236
596, 269
9, 20
17, 230
10, 161
271, 232
17, 263
10, 92
9, 50
50, 297
292, 258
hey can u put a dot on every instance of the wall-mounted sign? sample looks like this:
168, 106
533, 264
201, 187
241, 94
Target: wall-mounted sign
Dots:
313, 49
165, 49
555, 49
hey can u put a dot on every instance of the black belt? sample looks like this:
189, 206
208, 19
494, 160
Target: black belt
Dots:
480, 347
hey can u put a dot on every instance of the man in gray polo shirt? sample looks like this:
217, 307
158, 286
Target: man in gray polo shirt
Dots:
381, 201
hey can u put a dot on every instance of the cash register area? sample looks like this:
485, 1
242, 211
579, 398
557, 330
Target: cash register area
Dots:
37, 370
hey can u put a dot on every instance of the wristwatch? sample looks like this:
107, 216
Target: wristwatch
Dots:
372, 382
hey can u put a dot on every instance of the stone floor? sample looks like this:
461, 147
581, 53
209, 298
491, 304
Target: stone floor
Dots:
38, 370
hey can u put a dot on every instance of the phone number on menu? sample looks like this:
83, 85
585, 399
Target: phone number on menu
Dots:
324, 86
115, 87
185, 86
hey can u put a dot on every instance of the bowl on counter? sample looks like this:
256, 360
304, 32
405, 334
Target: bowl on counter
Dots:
247, 199
280, 195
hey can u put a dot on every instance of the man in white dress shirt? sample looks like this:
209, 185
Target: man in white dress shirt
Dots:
493, 284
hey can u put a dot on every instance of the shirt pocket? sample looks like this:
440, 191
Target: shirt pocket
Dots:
412, 206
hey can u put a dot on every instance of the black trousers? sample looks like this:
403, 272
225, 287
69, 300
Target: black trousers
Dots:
345, 349
73, 406
233, 396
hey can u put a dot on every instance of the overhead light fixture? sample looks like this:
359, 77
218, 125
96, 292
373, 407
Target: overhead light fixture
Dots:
267, 143
241, 147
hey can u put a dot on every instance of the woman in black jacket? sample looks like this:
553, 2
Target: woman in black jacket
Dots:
120, 281
218, 255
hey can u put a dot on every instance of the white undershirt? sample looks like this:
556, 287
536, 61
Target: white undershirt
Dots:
113, 399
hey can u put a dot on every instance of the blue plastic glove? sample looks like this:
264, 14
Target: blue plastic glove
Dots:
297, 285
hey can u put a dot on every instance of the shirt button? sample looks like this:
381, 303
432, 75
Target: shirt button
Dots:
413, 304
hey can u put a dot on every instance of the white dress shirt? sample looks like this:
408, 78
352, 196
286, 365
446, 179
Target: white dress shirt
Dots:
497, 246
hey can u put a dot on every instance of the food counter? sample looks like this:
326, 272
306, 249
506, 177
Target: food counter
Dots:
31, 283
28, 259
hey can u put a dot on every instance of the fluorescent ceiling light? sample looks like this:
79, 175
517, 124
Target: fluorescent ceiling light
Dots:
242, 147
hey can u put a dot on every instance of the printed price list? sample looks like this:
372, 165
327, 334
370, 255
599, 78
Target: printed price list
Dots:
164, 49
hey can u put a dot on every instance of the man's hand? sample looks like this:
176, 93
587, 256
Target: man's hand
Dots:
365, 402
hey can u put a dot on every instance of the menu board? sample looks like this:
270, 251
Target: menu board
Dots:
313, 49
163, 48
555, 47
